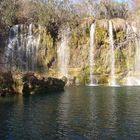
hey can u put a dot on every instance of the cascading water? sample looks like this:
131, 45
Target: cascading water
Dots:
134, 77
63, 52
37, 47
23, 47
91, 53
112, 54
137, 49
128, 35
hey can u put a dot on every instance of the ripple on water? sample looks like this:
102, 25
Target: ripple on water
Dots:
79, 113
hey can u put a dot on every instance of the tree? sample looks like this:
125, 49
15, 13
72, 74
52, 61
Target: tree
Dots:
135, 12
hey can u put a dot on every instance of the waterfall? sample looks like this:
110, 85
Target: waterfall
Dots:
22, 49
91, 52
63, 53
135, 79
128, 36
37, 47
112, 54
137, 49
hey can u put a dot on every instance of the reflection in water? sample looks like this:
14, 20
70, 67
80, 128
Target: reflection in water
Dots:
80, 113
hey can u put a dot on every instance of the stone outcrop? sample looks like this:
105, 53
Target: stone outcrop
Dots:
33, 85
79, 51
6, 84
46, 59
27, 84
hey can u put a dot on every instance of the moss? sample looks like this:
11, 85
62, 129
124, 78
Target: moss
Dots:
119, 36
79, 54
87, 30
79, 37
47, 51
103, 79
53, 72
100, 36
121, 64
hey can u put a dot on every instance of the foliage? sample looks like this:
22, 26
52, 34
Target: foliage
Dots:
101, 35
120, 35
110, 9
7, 12
103, 9
54, 14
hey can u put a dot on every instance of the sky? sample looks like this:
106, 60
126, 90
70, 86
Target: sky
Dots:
121, 0
114, 0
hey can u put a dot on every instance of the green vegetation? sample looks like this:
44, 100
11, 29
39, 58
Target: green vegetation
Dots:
56, 13
52, 15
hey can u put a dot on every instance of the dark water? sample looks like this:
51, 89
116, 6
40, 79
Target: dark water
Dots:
79, 113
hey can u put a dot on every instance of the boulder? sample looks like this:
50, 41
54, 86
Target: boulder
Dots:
6, 84
27, 84
33, 85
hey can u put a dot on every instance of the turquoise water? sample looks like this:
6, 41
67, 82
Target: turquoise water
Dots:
78, 113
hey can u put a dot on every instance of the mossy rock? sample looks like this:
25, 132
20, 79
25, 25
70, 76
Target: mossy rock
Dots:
103, 79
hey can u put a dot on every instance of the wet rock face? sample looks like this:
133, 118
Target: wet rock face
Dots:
29, 47
46, 59
6, 84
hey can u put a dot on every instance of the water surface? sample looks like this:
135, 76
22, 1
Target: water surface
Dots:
79, 113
